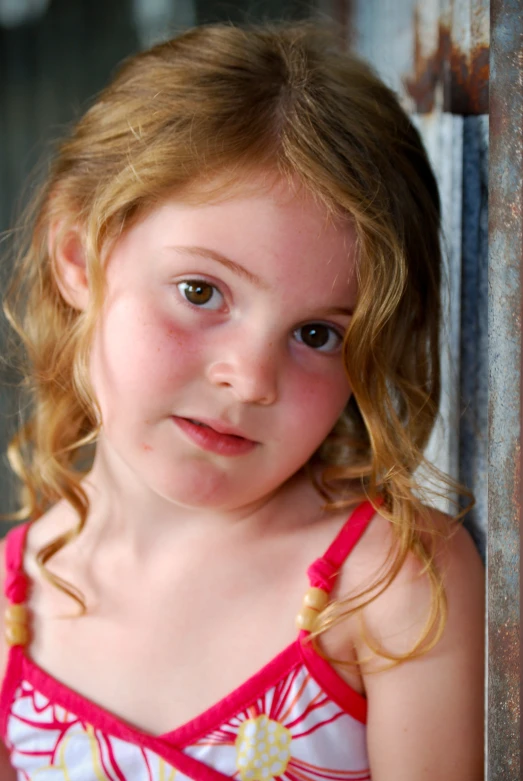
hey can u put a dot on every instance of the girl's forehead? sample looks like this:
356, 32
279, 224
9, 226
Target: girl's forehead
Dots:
260, 206
278, 213
269, 222
223, 186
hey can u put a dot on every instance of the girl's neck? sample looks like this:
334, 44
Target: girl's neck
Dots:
146, 521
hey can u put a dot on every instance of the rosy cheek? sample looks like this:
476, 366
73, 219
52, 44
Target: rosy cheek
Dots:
176, 343
175, 339
329, 387
169, 354
321, 400
138, 346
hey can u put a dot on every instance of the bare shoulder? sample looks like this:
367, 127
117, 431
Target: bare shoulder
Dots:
428, 709
401, 609
58, 519
456, 556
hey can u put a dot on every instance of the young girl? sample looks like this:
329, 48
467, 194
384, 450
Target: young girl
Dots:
229, 302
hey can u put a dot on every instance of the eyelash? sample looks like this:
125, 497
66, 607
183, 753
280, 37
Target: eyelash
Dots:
186, 284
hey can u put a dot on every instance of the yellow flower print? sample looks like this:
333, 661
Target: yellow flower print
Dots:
262, 749
292, 732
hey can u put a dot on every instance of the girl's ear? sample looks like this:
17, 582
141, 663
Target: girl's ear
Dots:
68, 259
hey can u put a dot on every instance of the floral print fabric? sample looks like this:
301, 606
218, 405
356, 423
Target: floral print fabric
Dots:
292, 732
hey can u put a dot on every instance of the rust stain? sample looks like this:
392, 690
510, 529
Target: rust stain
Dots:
467, 90
516, 496
504, 709
505, 397
463, 76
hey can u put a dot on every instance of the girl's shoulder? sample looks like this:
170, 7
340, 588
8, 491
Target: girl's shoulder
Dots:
49, 526
407, 699
59, 519
452, 547
6, 771
400, 608
8, 566
4, 604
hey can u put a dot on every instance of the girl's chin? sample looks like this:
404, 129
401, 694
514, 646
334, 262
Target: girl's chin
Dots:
201, 489
204, 488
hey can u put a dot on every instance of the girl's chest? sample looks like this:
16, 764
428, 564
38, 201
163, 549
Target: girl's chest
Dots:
158, 659
161, 644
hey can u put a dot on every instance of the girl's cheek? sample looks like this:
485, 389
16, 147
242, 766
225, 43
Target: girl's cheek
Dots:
160, 331
178, 342
321, 398
136, 341
168, 351
325, 384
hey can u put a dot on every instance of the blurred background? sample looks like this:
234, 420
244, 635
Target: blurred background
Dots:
55, 55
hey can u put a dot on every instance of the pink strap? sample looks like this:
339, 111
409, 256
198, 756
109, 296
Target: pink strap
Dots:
322, 573
16, 582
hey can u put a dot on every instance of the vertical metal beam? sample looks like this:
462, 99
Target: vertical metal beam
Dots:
504, 493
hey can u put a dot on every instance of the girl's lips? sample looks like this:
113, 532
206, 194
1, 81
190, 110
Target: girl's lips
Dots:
206, 437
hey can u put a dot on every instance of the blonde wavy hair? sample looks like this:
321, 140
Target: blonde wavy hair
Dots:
219, 103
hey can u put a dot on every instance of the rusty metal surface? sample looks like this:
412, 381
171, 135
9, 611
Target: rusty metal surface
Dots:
456, 59
505, 259
433, 52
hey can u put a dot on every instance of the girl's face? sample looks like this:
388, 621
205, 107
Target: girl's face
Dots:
217, 359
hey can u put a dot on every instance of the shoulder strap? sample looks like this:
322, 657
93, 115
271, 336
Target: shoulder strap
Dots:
16, 582
322, 573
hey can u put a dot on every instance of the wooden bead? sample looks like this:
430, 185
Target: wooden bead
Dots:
16, 634
16, 614
316, 598
306, 618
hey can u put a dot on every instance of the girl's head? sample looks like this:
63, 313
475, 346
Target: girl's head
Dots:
221, 113
235, 321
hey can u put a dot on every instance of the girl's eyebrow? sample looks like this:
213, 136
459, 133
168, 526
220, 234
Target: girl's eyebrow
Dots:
339, 310
236, 268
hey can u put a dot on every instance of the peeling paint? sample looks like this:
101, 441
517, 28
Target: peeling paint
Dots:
462, 76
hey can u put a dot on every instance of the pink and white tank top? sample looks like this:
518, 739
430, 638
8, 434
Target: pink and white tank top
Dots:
294, 720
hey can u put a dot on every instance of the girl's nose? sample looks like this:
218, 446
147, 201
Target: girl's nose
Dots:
249, 369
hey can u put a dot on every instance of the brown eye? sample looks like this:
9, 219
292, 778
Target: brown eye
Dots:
319, 336
201, 294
